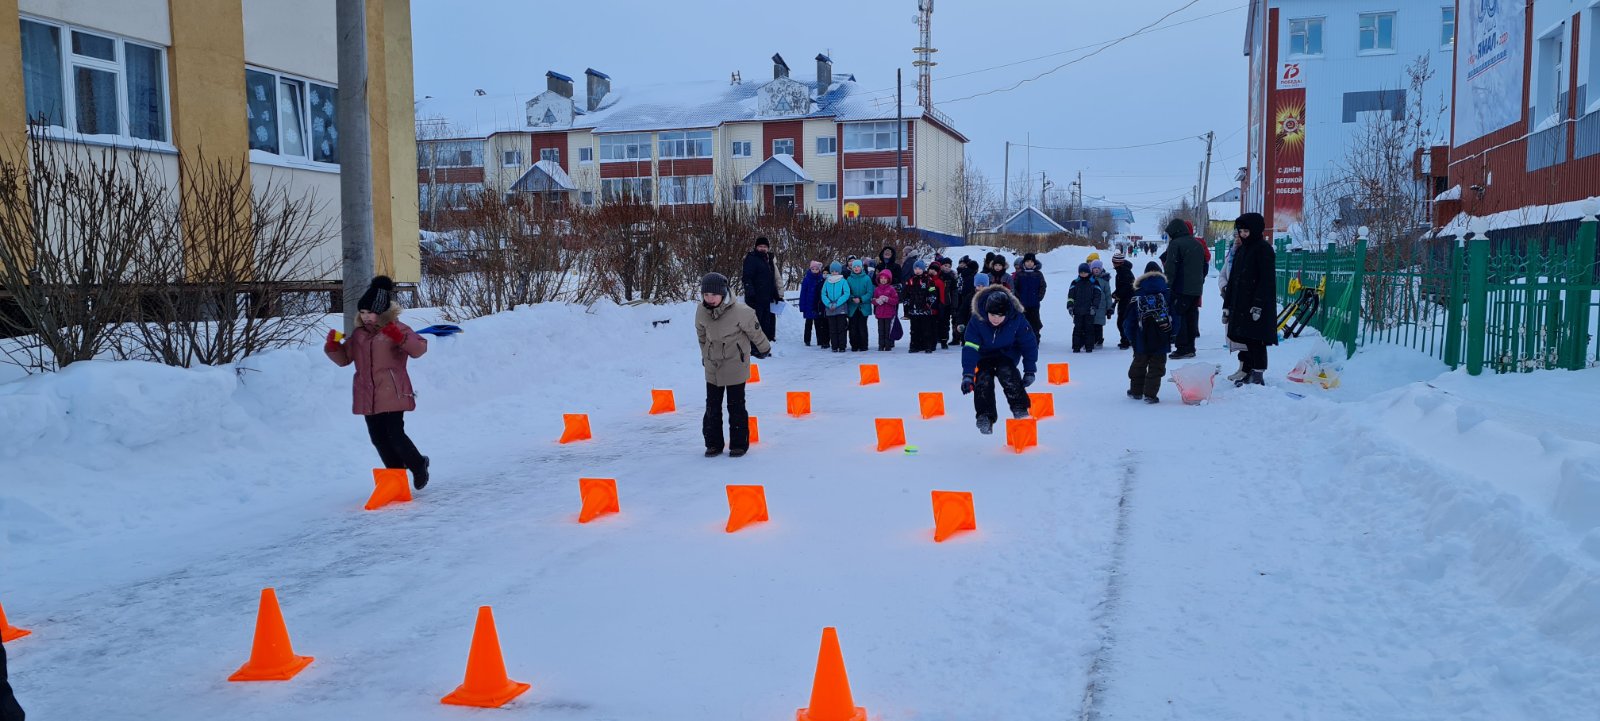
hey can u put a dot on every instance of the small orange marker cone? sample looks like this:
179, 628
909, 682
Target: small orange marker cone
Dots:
1058, 373
486, 685
891, 433
661, 401
830, 689
390, 485
746, 505
799, 403
576, 427
755, 431
932, 405
755, 374
599, 498
952, 512
869, 374
1042, 405
8, 632
1022, 433
271, 657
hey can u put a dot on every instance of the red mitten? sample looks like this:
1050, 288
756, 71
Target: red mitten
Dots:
333, 341
393, 332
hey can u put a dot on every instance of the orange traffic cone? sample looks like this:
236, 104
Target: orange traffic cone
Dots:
576, 427
661, 401
891, 433
755, 374
486, 685
830, 689
8, 632
271, 657
869, 373
799, 403
1022, 433
390, 485
755, 431
1042, 405
952, 512
746, 505
932, 405
1059, 373
599, 498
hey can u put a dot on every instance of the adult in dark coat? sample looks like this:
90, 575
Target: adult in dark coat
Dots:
966, 272
888, 260
760, 279
1185, 262
10, 710
1123, 294
1250, 307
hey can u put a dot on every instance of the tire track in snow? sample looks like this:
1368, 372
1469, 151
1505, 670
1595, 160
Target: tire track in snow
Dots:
1106, 612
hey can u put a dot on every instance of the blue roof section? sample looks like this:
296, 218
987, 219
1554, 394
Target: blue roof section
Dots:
596, 73
1030, 221
944, 240
558, 76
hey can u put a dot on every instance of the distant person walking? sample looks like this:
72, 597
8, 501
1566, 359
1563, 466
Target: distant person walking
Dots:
1185, 263
760, 279
379, 348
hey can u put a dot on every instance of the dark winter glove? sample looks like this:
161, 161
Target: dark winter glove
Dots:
393, 332
1027, 380
1070, 304
1108, 313
1224, 316
758, 355
966, 384
1255, 314
333, 341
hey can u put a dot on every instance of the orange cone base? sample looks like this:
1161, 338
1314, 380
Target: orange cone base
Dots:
496, 699
805, 715
281, 673
12, 633
575, 427
390, 485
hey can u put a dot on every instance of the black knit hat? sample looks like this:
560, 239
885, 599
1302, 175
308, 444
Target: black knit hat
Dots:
1253, 222
1152, 267
379, 296
762, 241
714, 283
997, 304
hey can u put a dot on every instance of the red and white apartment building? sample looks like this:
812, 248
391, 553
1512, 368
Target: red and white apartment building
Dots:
824, 146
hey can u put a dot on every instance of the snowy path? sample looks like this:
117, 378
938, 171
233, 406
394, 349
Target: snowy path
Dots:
1260, 557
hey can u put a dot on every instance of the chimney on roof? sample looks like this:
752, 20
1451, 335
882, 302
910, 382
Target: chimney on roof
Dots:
599, 85
824, 73
780, 69
559, 84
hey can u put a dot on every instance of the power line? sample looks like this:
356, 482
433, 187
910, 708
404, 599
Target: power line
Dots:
1079, 59
1117, 147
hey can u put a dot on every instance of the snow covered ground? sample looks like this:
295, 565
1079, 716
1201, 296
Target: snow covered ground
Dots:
1416, 544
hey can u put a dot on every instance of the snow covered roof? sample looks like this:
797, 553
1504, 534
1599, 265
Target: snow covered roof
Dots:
1531, 215
545, 176
669, 106
779, 169
1030, 220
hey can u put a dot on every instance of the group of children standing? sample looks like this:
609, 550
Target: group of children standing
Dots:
1143, 319
931, 295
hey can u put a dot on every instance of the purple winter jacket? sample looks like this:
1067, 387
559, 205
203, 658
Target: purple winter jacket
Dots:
887, 308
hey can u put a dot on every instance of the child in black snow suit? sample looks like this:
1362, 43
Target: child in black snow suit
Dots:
1123, 295
921, 298
997, 337
1149, 326
1085, 301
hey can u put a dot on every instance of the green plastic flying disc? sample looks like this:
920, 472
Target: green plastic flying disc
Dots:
911, 450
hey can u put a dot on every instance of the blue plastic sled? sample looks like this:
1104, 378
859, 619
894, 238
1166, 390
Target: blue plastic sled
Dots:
443, 330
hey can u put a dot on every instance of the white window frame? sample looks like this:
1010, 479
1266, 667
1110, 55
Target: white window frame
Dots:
827, 191
1376, 30
633, 147
1450, 42
832, 143
1550, 78
642, 188
436, 157
511, 158
684, 144
307, 161
69, 97
789, 151
1303, 26
685, 190
551, 154
1592, 21
745, 145
585, 155
877, 183
855, 132
586, 198
742, 193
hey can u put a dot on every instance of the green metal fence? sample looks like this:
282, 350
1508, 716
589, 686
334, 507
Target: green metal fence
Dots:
1510, 307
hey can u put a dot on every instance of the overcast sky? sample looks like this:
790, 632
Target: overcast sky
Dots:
1159, 86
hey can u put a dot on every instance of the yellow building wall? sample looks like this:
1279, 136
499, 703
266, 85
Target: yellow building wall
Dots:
497, 176
939, 158
584, 175
730, 170
12, 121
398, 129
821, 168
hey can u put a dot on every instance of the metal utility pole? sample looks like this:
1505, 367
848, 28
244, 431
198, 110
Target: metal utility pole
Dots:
899, 151
1044, 186
1005, 182
1205, 190
1079, 186
355, 156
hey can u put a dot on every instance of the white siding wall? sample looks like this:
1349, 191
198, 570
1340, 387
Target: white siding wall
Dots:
497, 176
323, 191
294, 36
730, 170
138, 19
584, 175
938, 156
821, 168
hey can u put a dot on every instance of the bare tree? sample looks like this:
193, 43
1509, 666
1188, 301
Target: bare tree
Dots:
430, 131
974, 198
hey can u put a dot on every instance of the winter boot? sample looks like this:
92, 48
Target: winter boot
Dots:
1238, 377
1136, 395
1019, 415
737, 452
1152, 400
1181, 355
419, 477
713, 452
986, 425
1258, 378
